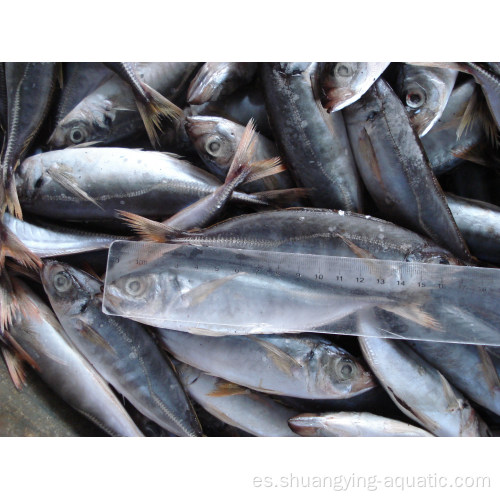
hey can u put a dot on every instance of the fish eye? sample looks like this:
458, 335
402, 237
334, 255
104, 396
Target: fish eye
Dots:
213, 146
135, 286
415, 98
62, 281
343, 70
76, 135
345, 369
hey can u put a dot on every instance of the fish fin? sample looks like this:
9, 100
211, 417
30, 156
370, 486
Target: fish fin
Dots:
146, 229
9, 305
19, 351
12, 246
152, 111
225, 388
281, 359
26, 306
241, 159
367, 150
454, 403
63, 176
93, 336
359, 252
265, 168
490, 373
12, 200
15, 368
206, 332
474, 154
414, 313
477, 111
200, 293
283, 196
23, 271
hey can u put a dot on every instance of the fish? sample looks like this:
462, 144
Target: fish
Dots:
109, 113
253, 412
352, 424
29, 88
395, 170
63, 368
419, 390
298, 365
217, 79
314, 145
92, 183
152, 106
216, 141
424, 93
444, 143
343, 83
121, 350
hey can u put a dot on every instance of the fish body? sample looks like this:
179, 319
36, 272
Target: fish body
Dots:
313, 144
419, 390
215, 80
352, 424
121, 350
304, 366
109, 113
255, 413
396, 171
147, 183
62, 367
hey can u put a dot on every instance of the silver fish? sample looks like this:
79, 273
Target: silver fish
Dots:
352, 424
304, 366
250, 411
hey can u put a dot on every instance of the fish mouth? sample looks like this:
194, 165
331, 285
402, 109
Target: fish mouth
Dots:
197, 126
335, 99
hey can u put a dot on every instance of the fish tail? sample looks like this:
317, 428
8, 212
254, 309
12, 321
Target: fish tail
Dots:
282, 197
146, 229
241, 165
12, 246
154, 107
9, 305
265, 168
15, 368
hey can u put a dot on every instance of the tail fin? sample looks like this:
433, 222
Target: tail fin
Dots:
153, 109
12, 246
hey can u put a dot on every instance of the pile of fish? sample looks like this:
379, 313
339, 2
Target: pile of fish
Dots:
396, 161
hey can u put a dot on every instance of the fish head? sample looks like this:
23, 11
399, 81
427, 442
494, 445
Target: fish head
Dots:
85, 123
341, 373
69, 289
343, 83
215, 140
30, 176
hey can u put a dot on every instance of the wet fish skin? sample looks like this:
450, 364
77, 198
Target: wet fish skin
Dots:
121, 350
395, 170
64, 369
29, 91
425, 92
48, 240
467, 367
417, 388
216, 140
313, 144
352, 424
253, 412
80, 79
147, 183
442, 144
109, 113
217, 79
343, 83
304, 366
479, 222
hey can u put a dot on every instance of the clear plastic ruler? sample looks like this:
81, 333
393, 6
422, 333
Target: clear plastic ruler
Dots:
227, 291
